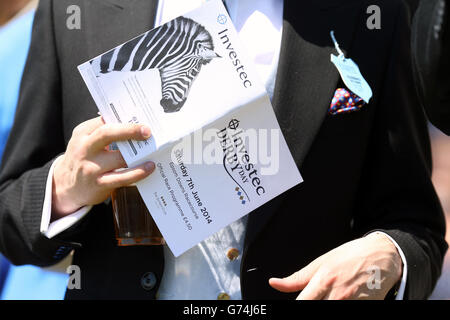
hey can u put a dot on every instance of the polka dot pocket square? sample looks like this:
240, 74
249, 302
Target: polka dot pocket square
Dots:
345, 101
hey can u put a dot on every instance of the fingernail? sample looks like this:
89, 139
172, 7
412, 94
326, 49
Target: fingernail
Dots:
145, 131
149, 166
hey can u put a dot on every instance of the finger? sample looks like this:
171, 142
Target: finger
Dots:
113, 180
110, 160
298, 280
87, 127
109, 133
315, 290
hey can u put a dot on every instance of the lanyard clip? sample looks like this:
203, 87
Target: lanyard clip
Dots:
336, 44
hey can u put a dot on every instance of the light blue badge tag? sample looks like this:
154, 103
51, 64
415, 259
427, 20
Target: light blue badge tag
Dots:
350, 74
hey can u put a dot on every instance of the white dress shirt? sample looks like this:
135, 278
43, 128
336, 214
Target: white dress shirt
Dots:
206, 271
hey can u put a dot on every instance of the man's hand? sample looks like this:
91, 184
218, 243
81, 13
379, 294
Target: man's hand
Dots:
345, 272
85, 174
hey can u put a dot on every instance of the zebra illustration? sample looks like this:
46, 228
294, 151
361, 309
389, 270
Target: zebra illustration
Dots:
178, 49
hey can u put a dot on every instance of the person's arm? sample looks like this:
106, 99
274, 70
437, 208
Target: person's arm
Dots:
34, 141
396, 197
84, 176
438, 110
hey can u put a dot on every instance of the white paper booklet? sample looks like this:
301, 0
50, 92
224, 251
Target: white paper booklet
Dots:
216, 142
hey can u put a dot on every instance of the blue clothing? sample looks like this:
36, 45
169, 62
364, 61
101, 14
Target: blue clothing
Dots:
33, 283
25, 282
4, 267
15, 40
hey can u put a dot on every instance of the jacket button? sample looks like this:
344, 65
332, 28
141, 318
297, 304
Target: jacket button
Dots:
233, 254
148, 281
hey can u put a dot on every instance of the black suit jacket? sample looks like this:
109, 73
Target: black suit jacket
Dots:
364, 171
430, 44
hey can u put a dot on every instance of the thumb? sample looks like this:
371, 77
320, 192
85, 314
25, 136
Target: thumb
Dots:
298, 280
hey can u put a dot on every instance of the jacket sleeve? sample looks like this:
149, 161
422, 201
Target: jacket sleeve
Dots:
396, 194
438, 110
35, 140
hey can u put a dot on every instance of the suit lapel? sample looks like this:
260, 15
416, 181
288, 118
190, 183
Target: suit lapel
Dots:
306, 79
105, 25
112, 22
